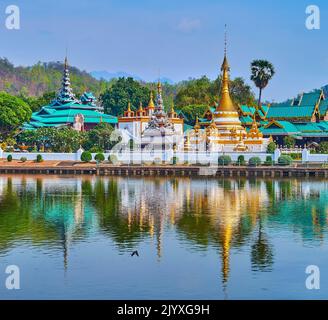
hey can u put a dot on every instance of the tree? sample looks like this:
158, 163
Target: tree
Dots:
13, 113
36, 103
289, 141
323, 147
262, 72
116, 98
192, 111
99, 138
271, 147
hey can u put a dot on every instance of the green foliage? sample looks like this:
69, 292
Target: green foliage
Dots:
23, 159
45, 77
295, 156
285, 160
241, 160
203, 91
192, 111
99, 157
115, 99
99, 138
39, 158
254, 161
36, 103
86, 156
13, 113
289, 141
323, 147
268, 161
10, 158
64, 139
262, 72
271, 147
224, 160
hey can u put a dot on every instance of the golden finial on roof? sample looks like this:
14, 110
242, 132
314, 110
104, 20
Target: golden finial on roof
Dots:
140, 106
226, 103
129, 106
197, 126
159, 86
151, 104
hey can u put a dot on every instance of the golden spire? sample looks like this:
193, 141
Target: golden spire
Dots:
129, 106
159, 87
197, 126
226, 103
151, 104
140, 107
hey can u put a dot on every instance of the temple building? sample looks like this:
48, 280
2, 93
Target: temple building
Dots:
152, 124
66, 110
224, 130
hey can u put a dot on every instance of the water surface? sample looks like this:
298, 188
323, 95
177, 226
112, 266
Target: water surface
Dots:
72, 237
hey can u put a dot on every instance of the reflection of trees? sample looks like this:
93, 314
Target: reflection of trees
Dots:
261, 251
224, 214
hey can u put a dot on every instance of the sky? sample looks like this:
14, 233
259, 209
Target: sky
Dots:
181, 38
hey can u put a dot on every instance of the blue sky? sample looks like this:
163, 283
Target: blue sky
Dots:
182, 38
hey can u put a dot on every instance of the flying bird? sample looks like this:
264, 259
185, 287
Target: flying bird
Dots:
135, 253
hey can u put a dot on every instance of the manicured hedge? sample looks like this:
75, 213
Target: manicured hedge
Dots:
86, 156
100, 157
39, 158
241, 160
285, 160
268, 161
224, 160
23, 159
254, 161
10, 158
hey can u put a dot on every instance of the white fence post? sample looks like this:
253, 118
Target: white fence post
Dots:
276, 155
78, 154
1, 153
305, 155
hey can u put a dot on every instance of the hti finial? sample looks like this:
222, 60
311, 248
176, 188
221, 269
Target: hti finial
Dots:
225, 39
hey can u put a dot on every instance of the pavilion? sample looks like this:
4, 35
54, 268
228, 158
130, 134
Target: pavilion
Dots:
67, 111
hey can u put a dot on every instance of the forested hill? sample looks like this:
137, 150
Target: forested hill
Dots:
44, 77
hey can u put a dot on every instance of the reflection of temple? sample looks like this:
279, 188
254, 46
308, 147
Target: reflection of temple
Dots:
208, 214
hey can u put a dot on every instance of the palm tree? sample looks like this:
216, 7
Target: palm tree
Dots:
262, 73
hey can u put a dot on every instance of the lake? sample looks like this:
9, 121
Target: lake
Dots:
72, 237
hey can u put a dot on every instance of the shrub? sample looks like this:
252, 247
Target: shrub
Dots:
254, 161
285, 160
23, 159
39, 158
224, 160
271, 147
86, 156
10, 158
268, 161
95, 149
289, 141
112, 158
296, 156
100, 157
241, 160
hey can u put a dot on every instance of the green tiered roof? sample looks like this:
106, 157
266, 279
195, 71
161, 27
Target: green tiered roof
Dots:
63, 109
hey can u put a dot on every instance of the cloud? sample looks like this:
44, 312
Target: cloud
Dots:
188, 25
